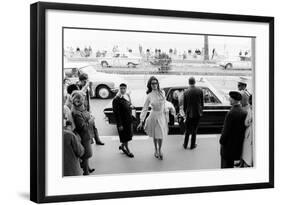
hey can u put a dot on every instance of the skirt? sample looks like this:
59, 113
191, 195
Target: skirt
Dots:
126, 134
156, 125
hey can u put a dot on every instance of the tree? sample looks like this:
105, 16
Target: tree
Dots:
163, 62
206, 47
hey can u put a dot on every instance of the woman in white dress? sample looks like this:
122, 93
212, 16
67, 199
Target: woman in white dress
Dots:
156, 124
247, 151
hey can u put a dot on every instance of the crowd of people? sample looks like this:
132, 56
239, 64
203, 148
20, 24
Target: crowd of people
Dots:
147, 54
80, 131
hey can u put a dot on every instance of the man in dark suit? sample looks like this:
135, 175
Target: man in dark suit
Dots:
233, 132
83, 85
193, 107
122, 109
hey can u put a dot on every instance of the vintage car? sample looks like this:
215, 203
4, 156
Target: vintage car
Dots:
216, 104
239, 62
120, 60
103, 85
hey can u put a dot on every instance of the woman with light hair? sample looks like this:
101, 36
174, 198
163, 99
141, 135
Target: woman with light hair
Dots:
83, 120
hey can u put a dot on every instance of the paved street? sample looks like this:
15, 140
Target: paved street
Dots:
196, 69
109, 160
177, 67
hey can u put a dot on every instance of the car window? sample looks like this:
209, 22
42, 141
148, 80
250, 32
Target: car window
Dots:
88, 69
124, 56
175, 93
174, 96
209, 97
116, 55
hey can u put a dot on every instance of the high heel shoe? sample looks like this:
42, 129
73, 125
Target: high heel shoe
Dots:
161, 156
156, 155
91, 170
99, 143
130, 155
123, 150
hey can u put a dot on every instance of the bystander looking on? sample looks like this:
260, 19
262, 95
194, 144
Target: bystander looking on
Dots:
84, 85
233, 132
72, 151
82, 119
247, 152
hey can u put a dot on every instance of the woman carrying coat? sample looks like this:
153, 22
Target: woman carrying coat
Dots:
156, 124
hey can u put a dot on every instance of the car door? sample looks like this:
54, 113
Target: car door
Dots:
248, 62
123, 60
174, 95
116, 60
244, 62
214, 112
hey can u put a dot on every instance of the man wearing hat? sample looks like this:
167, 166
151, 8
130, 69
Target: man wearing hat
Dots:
233, 132
242, 87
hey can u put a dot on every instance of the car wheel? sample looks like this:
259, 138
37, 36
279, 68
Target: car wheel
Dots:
104, 64
103, 92
131, 65
228, 66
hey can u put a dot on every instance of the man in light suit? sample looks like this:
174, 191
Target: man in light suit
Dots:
193, 104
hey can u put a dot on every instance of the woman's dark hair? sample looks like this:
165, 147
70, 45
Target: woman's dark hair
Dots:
83, 76
149, 88
68, 123
71, 88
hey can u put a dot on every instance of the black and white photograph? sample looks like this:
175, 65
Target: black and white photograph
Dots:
148, 101
132, 102
140, 102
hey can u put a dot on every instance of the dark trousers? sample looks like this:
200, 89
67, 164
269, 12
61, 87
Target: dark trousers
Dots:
191, 127
182, 125
227, 163
94, 134
88, 154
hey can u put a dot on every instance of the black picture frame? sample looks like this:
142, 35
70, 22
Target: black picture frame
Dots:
38, 100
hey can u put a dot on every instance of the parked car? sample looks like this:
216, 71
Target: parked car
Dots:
103, 85
215, 108
120, 60
239, 62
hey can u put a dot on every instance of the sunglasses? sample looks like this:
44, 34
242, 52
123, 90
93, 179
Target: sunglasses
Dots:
154, 83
